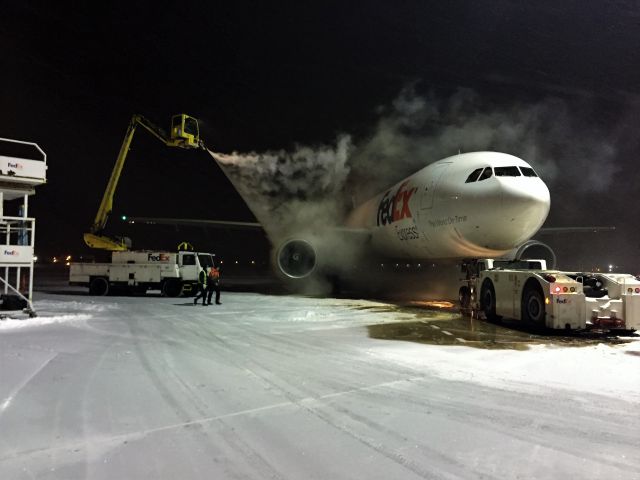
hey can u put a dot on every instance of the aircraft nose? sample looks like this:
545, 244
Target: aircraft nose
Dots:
525, 206
513, 212
523, 198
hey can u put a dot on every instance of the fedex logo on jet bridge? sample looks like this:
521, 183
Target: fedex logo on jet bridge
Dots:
394, 207
16, 165
11, 253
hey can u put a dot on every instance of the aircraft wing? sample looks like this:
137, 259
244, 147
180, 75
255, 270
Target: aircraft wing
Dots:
361, 234
563, 230
195, 222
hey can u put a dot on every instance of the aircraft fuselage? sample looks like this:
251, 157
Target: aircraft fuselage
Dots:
472, 205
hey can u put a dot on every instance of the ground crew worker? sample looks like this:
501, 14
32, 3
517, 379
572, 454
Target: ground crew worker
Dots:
202, 285
213, 283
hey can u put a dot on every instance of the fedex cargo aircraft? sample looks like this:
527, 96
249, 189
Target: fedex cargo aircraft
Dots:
471, 205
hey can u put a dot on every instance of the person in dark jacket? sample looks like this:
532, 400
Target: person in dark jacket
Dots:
213, 283
202, 285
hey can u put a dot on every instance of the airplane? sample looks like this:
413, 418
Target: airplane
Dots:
467, 206
470, 205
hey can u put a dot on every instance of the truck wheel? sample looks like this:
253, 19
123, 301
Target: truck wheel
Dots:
488, 301
99, 286
464, 296
171, 288
533, 309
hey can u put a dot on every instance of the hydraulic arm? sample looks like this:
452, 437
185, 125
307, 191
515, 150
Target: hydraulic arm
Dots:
184, 134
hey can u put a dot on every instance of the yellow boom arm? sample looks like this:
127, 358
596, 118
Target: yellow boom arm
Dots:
184, 134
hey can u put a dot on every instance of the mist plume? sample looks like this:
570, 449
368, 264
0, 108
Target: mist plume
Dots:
306, 188
287, 190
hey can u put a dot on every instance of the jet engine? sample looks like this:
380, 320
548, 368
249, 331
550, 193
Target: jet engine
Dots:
533, 249
296, 259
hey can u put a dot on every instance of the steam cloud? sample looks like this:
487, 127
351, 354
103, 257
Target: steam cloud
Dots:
305, 188
288, 190
415, 131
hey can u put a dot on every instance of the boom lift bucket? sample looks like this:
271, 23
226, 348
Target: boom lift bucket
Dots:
184, 132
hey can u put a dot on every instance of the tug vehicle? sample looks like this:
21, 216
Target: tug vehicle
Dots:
525, 290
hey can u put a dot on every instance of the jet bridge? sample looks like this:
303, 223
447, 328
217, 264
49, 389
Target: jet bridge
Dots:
23, 166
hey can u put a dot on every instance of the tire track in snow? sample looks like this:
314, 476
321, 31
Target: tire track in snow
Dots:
253, 458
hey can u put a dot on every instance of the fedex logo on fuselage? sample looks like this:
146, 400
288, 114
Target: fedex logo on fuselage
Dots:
11, 252
394, 207
14, 165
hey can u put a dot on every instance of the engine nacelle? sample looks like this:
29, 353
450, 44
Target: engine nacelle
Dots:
296, 258
533, 249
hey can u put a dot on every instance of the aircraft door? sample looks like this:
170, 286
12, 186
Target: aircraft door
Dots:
426, 200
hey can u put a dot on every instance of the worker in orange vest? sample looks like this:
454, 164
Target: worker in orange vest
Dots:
213, 283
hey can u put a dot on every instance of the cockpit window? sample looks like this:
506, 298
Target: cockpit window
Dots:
474, 175
507, 172
486, 174
528, 172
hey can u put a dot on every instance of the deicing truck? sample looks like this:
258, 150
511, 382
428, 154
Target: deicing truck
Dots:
173, 273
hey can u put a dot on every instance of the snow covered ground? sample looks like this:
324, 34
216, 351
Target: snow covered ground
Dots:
289, 387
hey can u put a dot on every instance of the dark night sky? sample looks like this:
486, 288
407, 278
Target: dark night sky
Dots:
264, 75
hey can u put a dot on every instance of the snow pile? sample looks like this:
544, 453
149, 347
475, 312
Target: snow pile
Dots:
601, 369
13, 324
52, 312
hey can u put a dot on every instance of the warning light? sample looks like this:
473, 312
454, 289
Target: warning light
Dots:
557, 289
124, 218
637, 290
565, 289
546, 300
